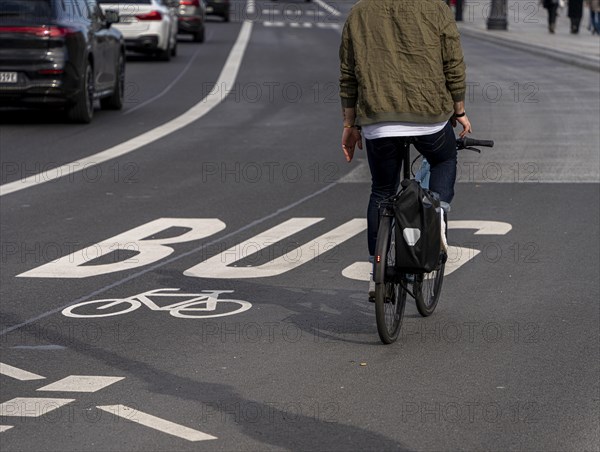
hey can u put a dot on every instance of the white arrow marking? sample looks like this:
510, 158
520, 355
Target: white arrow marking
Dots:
19, 374
81, 383
4, 428
156, 423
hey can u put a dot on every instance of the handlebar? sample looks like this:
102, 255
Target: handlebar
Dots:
468, 143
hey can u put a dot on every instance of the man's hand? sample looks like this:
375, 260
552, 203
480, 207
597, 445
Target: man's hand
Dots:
465, 123
350, 138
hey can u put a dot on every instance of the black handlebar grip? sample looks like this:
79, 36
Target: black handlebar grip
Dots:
468, 142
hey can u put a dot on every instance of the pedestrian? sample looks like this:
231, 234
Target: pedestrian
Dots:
594, 6
402, 75
575, 14
552, 7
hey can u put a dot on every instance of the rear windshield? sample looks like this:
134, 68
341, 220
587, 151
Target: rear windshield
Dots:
25, 9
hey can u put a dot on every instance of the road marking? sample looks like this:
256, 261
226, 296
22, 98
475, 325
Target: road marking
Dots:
201, 248
331, 26
274, 24
226, 79
31, 406
330, 9
300, 24
81, 383
137, 239
219, 266
157, 423
4, 428
250, 7
482, 227
19, 374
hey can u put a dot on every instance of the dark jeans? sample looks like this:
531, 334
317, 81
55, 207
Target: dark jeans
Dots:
385, 161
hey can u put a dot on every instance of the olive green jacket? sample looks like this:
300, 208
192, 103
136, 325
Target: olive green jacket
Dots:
401, 60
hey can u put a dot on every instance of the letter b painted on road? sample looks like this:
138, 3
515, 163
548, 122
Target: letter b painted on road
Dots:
138, 241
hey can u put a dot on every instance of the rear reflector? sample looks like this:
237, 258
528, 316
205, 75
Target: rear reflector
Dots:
195, 3
152, 15
50, 71
42, 32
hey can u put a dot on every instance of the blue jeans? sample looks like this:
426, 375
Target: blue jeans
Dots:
385, 162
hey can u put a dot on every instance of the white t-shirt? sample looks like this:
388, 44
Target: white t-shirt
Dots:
400, 129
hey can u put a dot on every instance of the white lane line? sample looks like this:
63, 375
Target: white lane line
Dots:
4, 428
31, 406
19, 374
250, 7
81, 383
325, 25
226, 79
156, 423
330, 9
274, 24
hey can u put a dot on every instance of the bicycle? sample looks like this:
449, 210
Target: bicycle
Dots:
201, 305
391, 286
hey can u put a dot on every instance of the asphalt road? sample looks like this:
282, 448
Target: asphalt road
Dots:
255, 198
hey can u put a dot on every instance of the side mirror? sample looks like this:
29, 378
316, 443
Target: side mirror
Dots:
112, 17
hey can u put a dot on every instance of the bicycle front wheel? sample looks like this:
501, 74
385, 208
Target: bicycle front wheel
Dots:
390, 296
427, 289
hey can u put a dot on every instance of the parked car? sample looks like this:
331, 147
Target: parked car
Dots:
218, 8
61, 53
149, 26
192, 18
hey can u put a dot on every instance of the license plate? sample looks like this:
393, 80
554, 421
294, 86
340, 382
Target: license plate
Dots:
8, 77
209, 9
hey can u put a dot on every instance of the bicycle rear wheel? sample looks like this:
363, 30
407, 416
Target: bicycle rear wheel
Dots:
390, 297
427, 289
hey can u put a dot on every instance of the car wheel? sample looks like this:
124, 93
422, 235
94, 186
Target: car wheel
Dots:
115, 100
199, 35
83, 109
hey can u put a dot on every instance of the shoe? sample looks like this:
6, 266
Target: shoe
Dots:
551, 28
371, 290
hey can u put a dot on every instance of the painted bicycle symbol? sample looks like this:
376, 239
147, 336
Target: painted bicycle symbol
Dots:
203, 305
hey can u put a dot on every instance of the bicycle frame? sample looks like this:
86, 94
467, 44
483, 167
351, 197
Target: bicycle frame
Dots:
210, 298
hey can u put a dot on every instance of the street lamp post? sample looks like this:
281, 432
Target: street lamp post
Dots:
497, 18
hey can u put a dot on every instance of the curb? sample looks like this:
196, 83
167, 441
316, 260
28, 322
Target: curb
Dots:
565, 57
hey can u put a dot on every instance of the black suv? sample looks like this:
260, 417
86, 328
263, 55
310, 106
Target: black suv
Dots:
61, 52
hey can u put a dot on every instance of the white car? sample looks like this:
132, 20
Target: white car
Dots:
148, 26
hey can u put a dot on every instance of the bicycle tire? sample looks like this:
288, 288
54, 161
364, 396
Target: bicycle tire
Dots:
390, 296
68, 311
427, 289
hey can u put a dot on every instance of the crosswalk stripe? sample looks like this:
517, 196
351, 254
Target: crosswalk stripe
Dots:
19, 374
156, 423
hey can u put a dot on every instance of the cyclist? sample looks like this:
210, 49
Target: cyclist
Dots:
402, 75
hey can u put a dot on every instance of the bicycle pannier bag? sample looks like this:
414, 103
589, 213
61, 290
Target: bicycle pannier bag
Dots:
418, 223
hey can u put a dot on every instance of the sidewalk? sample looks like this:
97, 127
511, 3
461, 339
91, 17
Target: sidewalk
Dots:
528, 30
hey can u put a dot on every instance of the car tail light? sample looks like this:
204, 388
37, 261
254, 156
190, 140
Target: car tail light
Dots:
152, 15
195, 3
42, 32
50, 71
